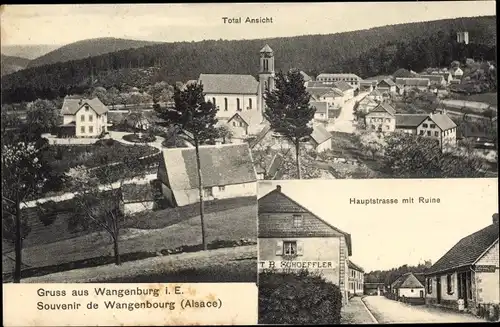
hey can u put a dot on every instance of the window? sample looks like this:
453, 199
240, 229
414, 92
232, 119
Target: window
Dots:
222, 188
91, 129
411, 290
208, 192
387, 127
86, 108
238, 104
249, 103
213, 102
433, 125
82, 129
449, 284
429, 285
387, 120
297, 220
428, 133
290, 248
91, 118
421, 132
436, 134
234, 123
424, 125
225, 104
82, 118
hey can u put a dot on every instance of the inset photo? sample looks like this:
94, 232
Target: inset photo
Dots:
326, 257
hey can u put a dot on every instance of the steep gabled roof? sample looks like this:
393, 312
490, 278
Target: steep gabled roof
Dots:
443, 121
313, 226
387, 81
228, 84
409, 120
266, 49
318, 92
408, 280
72, 104
306, 77
261, 135
250, 117
343, 86
220, 165
354, 266
320, 134
384, 107
467, 251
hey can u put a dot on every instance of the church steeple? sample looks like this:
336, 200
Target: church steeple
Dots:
266, 60
266, 75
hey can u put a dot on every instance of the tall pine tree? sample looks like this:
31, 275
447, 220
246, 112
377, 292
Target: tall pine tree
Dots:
288, 110
195, 120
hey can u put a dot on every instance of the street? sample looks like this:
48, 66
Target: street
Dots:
345, 122
390, 311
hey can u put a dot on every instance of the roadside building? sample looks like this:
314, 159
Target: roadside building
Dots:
467, 276
382, 118
407, 84
356, 278
292, 237
386, 85
408, 288
366, 104
352, 80
83, 117
367, 85
227, 170
435, 79
374, 289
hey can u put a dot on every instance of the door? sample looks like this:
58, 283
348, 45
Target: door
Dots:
438, 289
421, 294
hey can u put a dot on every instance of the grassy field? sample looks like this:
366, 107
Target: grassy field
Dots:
230, 224
490, 98
236, 264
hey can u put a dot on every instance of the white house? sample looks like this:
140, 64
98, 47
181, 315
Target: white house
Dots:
227, 171
457, 73
84, 117
245, 123
331, 95
320, 139
292, 235
356, 278
469, 272
408, 286
346, 88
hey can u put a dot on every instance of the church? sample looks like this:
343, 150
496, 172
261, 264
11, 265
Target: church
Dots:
241, 95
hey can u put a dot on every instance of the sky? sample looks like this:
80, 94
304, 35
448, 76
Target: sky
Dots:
389, 236
63, 24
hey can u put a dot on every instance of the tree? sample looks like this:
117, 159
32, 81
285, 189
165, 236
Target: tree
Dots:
136, 119
101, 93
225, 133
410, 156
113, 97
195, 119
373, 143
24, 174
98, 196
288, 110
42, 117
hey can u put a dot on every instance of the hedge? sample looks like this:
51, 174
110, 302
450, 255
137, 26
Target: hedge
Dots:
298, 298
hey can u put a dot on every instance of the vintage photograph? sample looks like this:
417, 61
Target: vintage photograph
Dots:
131, 148
326, 260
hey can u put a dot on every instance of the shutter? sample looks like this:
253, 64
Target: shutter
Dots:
279, 248
300, 248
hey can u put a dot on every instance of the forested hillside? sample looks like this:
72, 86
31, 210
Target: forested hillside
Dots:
367, 53
389, 276
87, 48
11, 64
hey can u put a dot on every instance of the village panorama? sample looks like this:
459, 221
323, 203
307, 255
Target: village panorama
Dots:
141, 164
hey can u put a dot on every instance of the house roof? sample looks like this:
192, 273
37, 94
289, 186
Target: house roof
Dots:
388, 81
321, 107
250, 117
343, 86
338, 75
307, 78
133, 193
274, 165
266, 49
368, 82
313, 226
317, 84
72, 104
220, 165
228, 84
384, 107
261, 135
318, 92
409, 120
443, 121
467, 251
408, 280
320, 134
354, 266
433, 77
414, 81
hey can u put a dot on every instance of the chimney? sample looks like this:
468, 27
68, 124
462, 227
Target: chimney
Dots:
495, 218
278, 188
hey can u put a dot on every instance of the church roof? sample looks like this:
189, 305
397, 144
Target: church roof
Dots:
229, 84
266, 49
